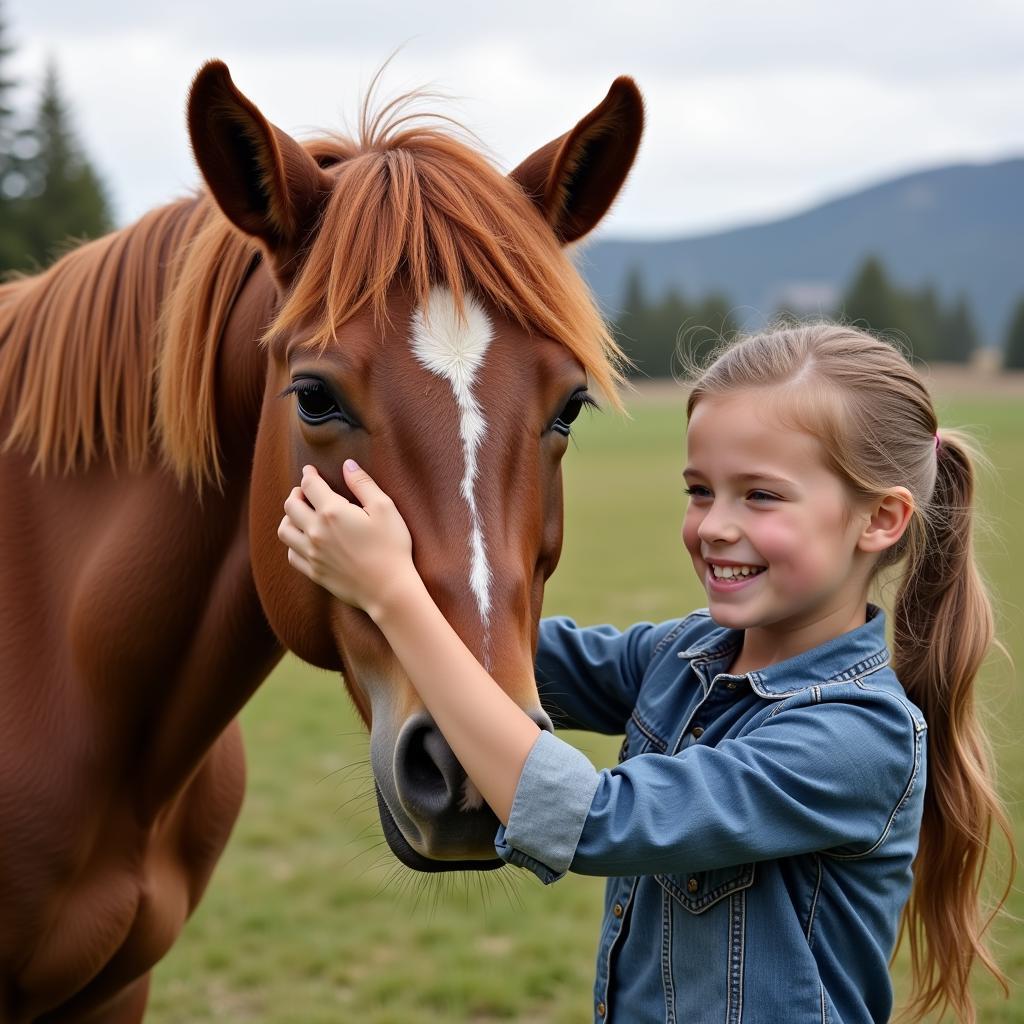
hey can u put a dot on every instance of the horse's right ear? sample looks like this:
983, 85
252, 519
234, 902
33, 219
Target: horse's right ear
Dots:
262, 179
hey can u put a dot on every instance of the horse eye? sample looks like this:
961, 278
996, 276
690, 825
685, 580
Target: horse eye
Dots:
572, 409
315, 402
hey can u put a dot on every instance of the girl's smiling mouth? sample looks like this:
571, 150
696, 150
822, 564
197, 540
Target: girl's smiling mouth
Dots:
726, 578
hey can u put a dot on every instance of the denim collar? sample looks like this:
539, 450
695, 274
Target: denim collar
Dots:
844, 657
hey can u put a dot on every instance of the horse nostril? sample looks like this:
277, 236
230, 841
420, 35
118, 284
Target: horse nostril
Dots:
436, 748
428, 775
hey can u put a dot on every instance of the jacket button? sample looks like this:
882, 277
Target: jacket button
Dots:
732, 686
697, 731
601, 1009
692, 885
617, 910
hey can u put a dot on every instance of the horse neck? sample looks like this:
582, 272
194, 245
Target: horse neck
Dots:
233, 648
172, 664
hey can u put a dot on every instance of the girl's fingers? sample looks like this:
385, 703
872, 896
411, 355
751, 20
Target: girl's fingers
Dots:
297, 561
317, 490
298, 511
362, 484
296, 540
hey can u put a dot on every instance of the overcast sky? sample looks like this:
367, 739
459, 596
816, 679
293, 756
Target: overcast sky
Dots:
753, 109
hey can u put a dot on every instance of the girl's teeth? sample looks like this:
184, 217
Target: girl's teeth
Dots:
728, 572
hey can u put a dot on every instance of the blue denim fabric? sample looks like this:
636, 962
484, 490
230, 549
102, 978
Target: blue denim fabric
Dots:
757, 834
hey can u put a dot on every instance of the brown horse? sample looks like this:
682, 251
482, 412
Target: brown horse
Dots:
394, 299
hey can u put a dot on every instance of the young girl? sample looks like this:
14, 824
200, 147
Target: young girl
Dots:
769, 826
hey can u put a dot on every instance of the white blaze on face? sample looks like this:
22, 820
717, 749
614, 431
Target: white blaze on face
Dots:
454, 348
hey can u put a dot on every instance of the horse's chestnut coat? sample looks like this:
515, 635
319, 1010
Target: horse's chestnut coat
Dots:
143, 592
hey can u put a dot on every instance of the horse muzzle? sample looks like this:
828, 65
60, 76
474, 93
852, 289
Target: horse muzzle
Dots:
433, 817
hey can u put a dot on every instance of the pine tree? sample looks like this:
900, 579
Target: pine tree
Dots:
11, 180
632, 326
65, 199
907, 318
922, 320
666, 324
870, 301
1013, 353
8, 130
633, 306
707, 322
958, 333
659, 337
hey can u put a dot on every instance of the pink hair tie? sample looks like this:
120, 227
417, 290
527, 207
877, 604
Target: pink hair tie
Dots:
938, 440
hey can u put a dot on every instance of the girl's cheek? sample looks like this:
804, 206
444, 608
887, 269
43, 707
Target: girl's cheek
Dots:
691, 523
780, 544
797, 560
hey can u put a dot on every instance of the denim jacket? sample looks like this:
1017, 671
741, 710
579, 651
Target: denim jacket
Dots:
757, 834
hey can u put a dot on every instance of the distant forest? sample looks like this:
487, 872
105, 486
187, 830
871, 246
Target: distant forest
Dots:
659, 335
51, 198
50, 195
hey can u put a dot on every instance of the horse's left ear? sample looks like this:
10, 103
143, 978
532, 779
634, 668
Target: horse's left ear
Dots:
262, 179
575, 178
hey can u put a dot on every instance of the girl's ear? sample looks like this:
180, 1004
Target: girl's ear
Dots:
574, 179
264, 181
888, 520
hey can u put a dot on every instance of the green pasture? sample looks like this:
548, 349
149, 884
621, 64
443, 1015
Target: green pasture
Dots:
309, 919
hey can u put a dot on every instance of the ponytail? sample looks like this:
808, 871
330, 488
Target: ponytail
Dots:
943, 627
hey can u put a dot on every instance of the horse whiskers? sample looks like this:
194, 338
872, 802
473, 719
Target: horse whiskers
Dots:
366, 831
363, 795
362, 853
362, 763
394, 873
430, 891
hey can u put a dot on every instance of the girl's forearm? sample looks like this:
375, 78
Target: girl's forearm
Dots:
487, 731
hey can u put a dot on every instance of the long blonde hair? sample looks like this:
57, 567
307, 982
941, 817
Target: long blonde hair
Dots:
875, 420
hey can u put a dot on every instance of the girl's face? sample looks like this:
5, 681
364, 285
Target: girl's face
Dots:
761, 496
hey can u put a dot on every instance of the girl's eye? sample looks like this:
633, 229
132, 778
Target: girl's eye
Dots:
697, 491
572, 409
315, 403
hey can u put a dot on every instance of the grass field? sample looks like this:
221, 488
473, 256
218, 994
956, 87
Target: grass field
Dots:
309, 919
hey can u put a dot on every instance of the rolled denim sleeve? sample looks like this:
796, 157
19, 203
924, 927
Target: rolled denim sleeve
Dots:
589, 678
549, 809
814, 778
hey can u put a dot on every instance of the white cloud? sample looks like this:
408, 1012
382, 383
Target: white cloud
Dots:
753, 109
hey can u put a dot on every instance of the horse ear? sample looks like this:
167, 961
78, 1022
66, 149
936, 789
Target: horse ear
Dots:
575, 178
262, 179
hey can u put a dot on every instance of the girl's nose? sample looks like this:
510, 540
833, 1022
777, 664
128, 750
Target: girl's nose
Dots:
717, 526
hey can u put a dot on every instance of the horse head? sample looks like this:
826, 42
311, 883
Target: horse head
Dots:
424, 320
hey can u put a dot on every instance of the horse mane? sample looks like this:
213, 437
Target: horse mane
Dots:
81, 342
113, 349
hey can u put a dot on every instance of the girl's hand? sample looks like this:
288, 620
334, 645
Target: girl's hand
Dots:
362, 555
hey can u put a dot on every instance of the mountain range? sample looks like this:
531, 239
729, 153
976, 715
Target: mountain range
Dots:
958, 227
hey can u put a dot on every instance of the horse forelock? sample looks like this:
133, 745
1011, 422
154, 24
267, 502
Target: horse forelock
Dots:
416, 204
